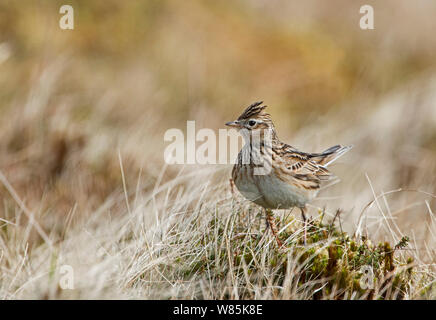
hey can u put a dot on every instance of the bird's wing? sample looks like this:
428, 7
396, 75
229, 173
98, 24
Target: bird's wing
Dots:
301, 169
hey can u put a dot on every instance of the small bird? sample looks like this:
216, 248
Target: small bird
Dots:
290, 178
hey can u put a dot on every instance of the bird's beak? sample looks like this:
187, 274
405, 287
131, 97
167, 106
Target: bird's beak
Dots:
234, 124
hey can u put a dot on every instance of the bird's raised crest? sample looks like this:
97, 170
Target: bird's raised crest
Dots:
252, 110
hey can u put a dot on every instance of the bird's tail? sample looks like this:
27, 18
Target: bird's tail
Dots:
331, 154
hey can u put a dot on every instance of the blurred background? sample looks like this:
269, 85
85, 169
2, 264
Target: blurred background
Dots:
72, 101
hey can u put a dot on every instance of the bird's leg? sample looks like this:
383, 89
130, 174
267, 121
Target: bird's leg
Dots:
303, 210
231, 186
272, 224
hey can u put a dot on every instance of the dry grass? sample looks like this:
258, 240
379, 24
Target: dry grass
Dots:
82, 178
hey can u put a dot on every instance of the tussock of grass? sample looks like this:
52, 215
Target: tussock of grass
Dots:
235, 258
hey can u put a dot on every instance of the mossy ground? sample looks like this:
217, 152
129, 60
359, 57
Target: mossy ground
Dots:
330, 265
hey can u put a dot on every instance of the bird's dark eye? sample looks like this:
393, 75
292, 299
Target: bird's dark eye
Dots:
251, 123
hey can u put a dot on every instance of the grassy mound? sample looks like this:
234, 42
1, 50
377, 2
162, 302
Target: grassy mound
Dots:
238, 258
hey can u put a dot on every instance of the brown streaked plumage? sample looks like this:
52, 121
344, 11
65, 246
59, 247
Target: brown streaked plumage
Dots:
293, 177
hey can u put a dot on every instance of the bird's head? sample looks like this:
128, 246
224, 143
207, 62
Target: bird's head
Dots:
253, 118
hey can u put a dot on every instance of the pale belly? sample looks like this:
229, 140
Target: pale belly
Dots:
270, 192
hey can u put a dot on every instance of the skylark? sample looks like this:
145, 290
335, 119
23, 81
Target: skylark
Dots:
273, 174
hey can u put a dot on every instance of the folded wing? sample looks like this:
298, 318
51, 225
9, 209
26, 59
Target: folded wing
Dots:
306, 170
